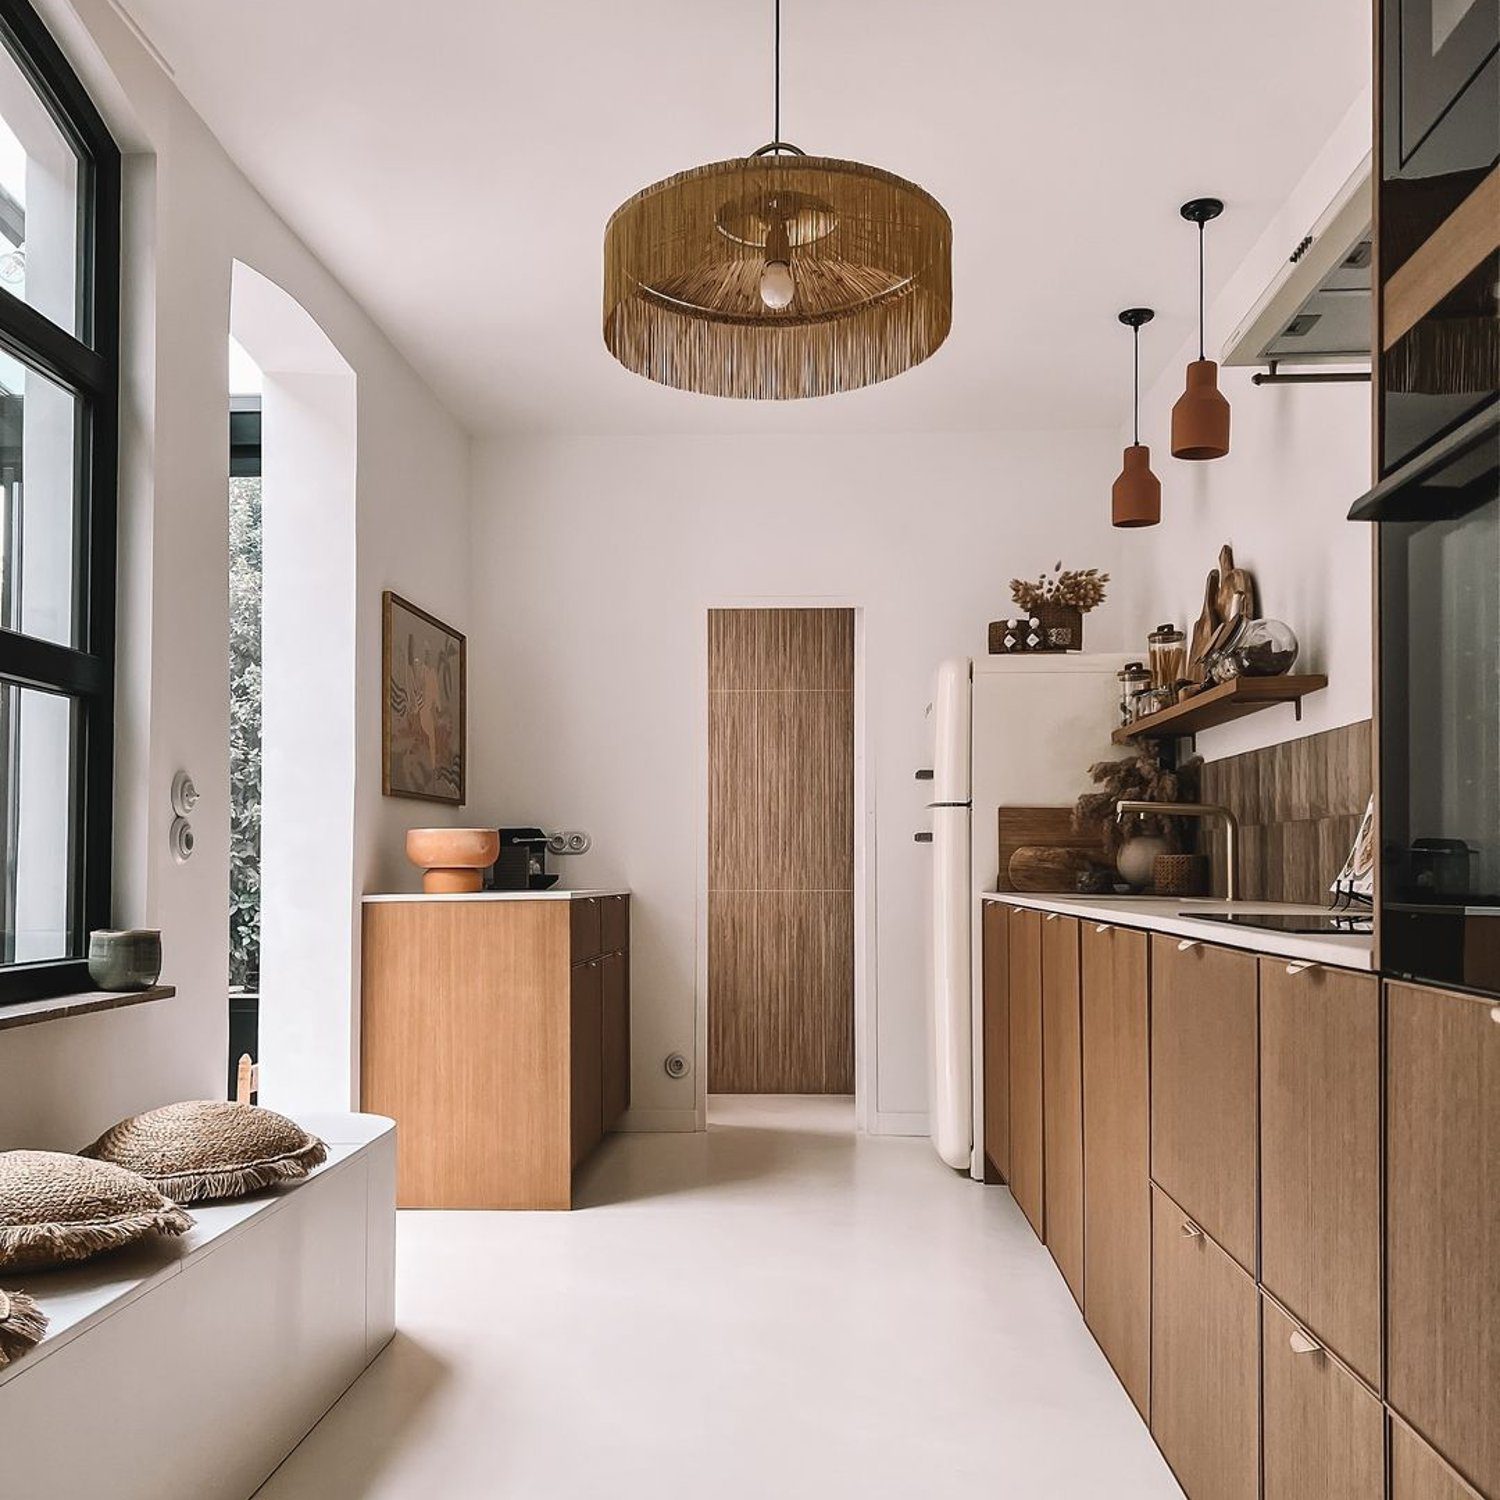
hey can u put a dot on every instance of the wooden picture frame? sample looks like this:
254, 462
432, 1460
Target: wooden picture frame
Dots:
424, 683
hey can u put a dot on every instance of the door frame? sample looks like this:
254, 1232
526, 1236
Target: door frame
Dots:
864, 855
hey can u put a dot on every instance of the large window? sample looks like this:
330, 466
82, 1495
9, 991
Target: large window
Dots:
59, 367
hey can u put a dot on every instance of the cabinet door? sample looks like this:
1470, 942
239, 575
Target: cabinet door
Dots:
1026, 1166
1324, 1430
1117, 1153
1205, 1360
1062, 1098
1320, 1154
1417, 1473
585, 1039
997, 1041
1443, 1224
614, 972
614, 924
584, 917
1203, 1087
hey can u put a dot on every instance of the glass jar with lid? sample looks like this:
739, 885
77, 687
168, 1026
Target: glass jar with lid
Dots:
1134, 679
1168, 656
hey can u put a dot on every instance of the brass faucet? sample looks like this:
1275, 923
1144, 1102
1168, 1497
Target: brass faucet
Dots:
1197, 810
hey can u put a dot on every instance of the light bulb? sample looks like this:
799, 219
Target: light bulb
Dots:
776, 284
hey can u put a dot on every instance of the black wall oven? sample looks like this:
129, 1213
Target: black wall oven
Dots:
1439, 711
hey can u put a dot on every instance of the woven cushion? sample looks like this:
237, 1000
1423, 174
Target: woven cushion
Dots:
210, 1149
56, 1208
22, 1324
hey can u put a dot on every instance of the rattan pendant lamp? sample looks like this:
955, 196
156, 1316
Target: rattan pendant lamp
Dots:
1200, 420
1135, 499
777, 275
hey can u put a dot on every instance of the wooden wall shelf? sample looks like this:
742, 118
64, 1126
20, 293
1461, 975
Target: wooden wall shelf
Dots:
1218, 705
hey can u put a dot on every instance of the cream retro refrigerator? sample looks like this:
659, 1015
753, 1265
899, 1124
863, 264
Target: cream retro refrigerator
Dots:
1006, 731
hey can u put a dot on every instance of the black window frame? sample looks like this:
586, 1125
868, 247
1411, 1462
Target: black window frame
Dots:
87, 365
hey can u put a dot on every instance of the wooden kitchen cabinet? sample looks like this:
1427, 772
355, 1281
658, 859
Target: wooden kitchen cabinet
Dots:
1418, 1473
1443, 1224
1027, 1172
1062, 1098
1117, 1152
495, 1032
1205, 1360
1204, 1102
1324, 1431
996, 990
1320, 1153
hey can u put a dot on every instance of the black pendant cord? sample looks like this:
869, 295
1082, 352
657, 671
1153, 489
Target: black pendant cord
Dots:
776, 108
1200, 279
1136, 331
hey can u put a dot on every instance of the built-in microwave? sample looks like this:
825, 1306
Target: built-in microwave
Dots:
1439, 708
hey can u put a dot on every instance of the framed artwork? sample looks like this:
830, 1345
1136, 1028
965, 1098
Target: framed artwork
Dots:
423, 708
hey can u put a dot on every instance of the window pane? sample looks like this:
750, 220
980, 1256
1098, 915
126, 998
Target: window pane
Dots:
38, 541
36, 764
38, 202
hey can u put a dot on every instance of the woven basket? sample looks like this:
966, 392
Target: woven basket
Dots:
1180, 875
1060, 627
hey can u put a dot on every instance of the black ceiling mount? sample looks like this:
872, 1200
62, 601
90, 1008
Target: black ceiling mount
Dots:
1137, 317
1201, 210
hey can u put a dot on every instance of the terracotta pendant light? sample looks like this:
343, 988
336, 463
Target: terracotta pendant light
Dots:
1136, 497
1200, 420
777, 275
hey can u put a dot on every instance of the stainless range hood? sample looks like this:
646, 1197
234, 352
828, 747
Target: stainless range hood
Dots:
1317, 310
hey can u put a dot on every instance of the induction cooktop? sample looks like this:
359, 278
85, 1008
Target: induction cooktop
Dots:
1333, 923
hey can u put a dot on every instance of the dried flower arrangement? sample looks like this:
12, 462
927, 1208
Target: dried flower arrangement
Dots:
1082, 590
1140, 778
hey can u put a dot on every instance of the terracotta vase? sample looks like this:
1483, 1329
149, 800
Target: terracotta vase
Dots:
452, 859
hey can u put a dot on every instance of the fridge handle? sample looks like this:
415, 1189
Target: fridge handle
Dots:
925, 775
922, 838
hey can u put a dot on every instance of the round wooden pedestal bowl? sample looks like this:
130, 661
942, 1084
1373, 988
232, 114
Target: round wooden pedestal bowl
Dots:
452, 859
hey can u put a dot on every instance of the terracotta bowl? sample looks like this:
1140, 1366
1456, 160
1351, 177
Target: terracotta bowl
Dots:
452, 859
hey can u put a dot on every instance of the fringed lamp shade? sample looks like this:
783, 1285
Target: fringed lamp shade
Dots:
689, 301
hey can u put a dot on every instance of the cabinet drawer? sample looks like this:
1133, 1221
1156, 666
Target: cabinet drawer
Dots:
1026, 1165
1320, 1154
614, 924
585, 929
615, 1030
1117, 1151
996, 1041
1203, 1087
1443, 1224
1062, 1098
1417, 1473
1324, 1430
1205, 1360
585, 1044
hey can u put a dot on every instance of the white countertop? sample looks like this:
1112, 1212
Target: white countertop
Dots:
1163, 914
552, 895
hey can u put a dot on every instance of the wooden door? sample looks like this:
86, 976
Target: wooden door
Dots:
1203, 1087
1324, 1429
585, 1044
996, 1042
1205, 1360
1117, 1153
1062, 1098
1320, 1153
614, 1004
1443, 1224
1417, 1473
1027, 1169
781, 851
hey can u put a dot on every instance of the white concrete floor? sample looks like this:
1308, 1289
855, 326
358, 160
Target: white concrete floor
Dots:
776, 1308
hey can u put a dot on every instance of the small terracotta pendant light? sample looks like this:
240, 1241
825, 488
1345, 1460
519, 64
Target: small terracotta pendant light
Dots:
1200, 420
1136, 497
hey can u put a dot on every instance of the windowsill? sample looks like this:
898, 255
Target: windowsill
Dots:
60, 1007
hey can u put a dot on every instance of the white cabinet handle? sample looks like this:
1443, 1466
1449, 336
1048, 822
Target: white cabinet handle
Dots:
1052, 916
1187, 944
1297, 968
1495, 1014
1104, 927
1190, 1230
1302, 1344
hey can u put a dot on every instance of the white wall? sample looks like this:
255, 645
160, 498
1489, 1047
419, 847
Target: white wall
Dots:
189, 215
597, 559
1299, 455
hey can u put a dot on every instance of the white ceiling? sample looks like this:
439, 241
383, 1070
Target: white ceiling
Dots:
454, 163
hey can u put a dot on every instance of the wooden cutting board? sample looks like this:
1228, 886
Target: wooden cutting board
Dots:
1051, 827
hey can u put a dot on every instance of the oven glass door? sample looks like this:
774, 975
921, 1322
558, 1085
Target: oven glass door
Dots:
1440, 736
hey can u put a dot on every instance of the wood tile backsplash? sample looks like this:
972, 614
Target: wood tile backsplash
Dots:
1299, 804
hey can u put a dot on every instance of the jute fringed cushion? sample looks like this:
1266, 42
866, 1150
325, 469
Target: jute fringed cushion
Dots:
210, 1149
22, 1324
56, 1208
